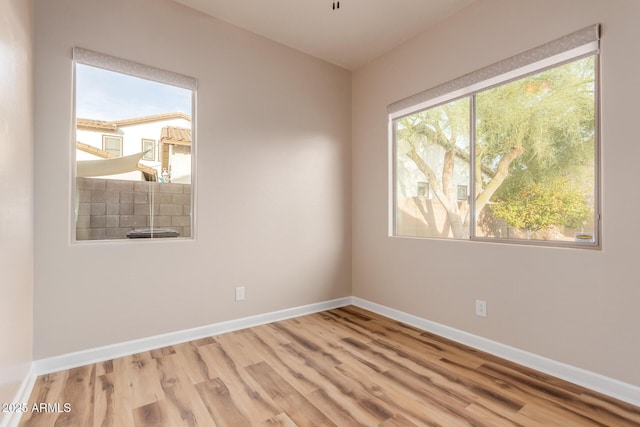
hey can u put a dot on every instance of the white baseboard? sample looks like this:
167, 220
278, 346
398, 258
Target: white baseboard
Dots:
108, 352
600, 383
12, 419
591, 380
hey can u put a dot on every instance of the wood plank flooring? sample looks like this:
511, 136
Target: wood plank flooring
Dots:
343, 367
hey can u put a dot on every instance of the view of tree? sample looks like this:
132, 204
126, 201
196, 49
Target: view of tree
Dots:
448, 128
534, 150
538, 206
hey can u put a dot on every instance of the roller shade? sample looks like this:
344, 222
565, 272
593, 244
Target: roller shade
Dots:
573, 46
124, 66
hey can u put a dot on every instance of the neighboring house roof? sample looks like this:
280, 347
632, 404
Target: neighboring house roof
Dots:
91, 124
94, 150
154, 118
175, 135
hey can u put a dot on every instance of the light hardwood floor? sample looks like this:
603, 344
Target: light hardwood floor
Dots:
343, 367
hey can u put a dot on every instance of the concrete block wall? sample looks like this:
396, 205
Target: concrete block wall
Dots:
109, 208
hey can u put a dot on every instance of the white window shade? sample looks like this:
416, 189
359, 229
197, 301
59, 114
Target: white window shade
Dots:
573, 46
107, 62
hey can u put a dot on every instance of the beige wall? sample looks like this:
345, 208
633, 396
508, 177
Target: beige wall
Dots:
575, 306
273, 180
274, 184
16, 195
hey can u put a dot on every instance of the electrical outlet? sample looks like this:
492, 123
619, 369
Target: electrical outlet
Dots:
240, 293
481, 308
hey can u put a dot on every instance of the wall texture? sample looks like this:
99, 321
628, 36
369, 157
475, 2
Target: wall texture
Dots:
272, 185
575, 306
16, 195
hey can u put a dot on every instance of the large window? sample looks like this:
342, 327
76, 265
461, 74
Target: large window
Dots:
511, 157
122, 189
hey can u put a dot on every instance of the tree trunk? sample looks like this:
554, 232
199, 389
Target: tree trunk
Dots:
453, 214
501, 174
447, 174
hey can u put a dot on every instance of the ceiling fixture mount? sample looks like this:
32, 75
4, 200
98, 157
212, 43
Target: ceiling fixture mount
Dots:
336, 5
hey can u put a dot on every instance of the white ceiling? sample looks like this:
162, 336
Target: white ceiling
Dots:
356, 33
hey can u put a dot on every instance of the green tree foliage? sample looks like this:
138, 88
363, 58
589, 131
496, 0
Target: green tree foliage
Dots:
533, 135
538, 206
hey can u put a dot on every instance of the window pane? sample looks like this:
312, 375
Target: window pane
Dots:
148, 147
535, 156
123, 190
113, 145
432, 160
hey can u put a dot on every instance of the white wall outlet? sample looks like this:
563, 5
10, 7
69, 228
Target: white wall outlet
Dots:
481, 308
240, 293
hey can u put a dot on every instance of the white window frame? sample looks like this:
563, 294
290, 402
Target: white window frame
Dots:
124, 66
104, 143
153, 149
577, 45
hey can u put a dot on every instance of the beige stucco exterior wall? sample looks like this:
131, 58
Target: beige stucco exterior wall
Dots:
272, 181
16, 195
574, 306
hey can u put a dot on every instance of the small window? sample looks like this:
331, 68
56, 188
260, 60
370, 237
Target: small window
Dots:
112, 145
423, 189
463, 192
148, 148
121, 190
511, 158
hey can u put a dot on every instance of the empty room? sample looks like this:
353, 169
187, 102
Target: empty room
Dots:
319, 213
